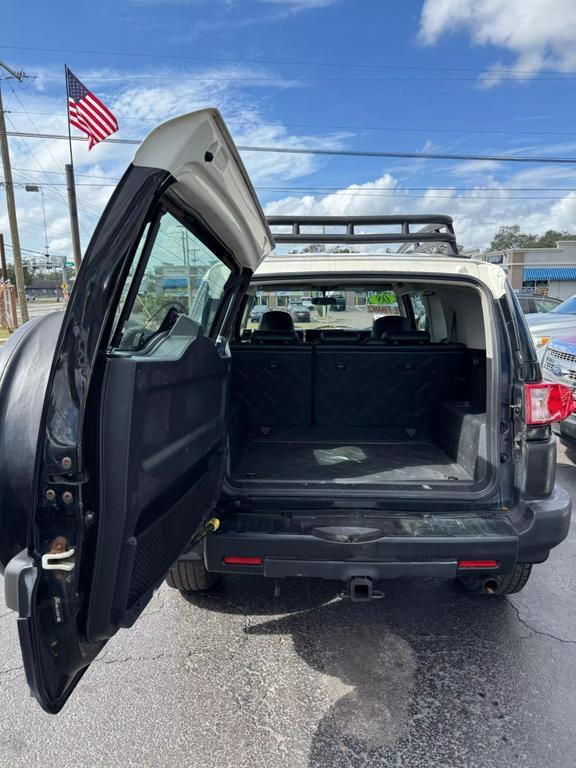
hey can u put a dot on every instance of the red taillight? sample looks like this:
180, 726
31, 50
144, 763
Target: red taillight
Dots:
477, 564
242, 561
547, 402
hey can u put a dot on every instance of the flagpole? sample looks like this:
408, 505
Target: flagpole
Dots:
72, 205
68, 113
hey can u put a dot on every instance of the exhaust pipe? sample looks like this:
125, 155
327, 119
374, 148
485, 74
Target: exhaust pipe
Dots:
361, 589
490, 586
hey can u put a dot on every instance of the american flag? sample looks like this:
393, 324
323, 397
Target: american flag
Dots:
87, 113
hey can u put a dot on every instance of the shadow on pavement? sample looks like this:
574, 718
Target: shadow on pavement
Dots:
426, 672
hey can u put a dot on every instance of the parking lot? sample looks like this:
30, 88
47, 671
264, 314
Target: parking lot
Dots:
426, 676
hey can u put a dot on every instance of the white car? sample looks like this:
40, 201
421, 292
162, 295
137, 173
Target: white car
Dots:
559, 322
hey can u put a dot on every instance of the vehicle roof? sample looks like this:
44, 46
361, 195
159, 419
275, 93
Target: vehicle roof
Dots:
307, 267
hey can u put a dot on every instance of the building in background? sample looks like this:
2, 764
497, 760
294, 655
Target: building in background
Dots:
44, 289
551, 271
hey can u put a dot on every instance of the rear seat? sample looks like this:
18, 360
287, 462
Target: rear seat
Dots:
396, 380
384, 385
272, 374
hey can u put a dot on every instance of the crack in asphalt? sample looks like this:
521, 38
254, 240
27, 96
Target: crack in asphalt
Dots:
144, 658
11, 669
540, 632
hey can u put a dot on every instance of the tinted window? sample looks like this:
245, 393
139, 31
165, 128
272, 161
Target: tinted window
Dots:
526, 304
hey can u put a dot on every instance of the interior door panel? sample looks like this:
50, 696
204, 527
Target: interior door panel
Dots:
162, 436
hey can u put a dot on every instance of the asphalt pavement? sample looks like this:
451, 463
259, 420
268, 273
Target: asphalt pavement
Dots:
428, 676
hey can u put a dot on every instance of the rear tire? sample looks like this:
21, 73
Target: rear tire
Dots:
191, 576
498, 584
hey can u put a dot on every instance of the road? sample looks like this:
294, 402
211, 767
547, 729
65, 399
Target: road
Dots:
428, 676
43, 307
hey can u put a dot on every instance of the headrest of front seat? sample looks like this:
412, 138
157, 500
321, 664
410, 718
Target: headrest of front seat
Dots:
276, 320
389, 324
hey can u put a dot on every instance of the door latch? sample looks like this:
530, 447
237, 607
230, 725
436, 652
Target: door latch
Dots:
58, 561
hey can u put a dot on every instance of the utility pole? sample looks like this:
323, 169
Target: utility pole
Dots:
73, 208
10, 202
3, 259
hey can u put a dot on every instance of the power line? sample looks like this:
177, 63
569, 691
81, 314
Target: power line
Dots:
342, 152
247, 79
421, 189
115, 179
31, 250
403, 192
284, 62
393, 129
61, 173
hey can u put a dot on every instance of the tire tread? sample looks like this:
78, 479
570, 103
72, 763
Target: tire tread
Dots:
508, 584
190, 576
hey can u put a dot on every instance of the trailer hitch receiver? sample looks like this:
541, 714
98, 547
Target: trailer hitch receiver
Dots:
361, 589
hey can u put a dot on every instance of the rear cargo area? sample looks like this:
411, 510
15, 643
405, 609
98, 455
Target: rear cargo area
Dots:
351, 414
347, 456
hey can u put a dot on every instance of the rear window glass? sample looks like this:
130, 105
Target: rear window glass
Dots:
345, 309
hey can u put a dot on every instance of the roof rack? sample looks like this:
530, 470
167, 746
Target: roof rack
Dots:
435, 229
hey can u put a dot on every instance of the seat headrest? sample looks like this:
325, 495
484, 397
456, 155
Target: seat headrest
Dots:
274, 337
389, 324
276, 320
407, 337
339, 337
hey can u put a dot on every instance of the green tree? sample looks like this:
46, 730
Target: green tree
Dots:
551, 237
28, 276
512, 237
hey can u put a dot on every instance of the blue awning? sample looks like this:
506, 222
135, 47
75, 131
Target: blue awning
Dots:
549, 273
174, 282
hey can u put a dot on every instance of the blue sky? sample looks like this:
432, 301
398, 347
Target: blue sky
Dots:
461, 76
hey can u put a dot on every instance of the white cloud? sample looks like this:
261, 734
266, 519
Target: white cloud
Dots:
539, 33
477, 213
140, 105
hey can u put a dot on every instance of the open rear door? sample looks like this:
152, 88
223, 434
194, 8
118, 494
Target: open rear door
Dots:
132, 433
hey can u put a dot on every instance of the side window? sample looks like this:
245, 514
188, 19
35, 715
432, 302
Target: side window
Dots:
525, 305
181, 275
545, 305
420, 312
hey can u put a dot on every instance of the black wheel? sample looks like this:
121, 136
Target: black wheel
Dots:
190, 576
498, 584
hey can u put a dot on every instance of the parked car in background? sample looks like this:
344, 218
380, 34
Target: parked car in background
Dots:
340, 305
257, 311
559, 364
531, 303
299, 312
558, 323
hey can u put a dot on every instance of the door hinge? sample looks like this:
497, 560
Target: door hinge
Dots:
58, 561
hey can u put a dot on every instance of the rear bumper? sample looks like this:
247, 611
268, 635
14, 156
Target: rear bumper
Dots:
384, 547
567, 428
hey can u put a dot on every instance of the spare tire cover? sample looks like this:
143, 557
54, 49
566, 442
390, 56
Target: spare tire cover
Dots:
25, 362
